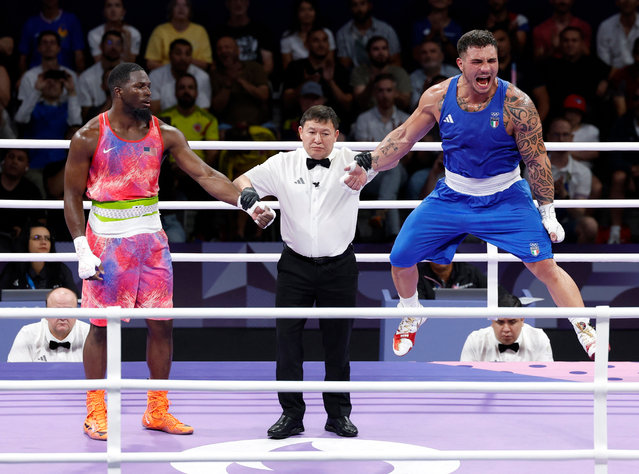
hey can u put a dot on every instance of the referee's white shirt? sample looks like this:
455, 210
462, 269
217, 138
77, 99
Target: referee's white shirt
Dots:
482, 346
32, 344
318, 215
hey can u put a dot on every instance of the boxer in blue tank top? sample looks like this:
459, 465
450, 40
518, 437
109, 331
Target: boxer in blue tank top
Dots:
487, 127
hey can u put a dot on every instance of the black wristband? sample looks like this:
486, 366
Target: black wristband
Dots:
248, 197
364, 159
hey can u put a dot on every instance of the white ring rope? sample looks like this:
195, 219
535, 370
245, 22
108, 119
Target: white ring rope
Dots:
114, 383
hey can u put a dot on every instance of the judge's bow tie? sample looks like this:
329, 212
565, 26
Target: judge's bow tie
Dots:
311, 163
56, 344
514, 346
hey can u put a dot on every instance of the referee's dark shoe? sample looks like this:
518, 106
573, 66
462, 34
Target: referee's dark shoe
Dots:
285, 427
341, 426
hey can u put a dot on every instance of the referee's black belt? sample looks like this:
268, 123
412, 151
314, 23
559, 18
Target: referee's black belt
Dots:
318, 260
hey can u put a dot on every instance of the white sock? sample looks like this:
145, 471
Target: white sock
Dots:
412, 302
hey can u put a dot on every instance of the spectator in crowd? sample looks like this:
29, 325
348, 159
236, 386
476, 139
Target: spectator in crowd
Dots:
239, 88
163, 78
507, 340
50, 110
91, 92
311, 93
53, 339
624, 168
293, 42
521, 73
6, 124
616, 35
36, 275
131, 38
456, 275
254, 40
14, 185
379, 61
372, 126
575, 72
574, 111
439, 27
70, 39
178, 26
546, 35
573, 180
624, 83
353, 37
430, 57
321, 68
515, 24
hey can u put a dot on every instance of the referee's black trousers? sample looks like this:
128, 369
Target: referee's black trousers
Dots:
325, 282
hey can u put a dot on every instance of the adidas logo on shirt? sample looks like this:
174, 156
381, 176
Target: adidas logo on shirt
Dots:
449, 119
299, 181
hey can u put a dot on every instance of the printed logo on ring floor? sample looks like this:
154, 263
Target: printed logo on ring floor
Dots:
340, 445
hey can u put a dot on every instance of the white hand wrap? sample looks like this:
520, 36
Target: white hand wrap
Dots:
262, 206
87, 262
550, 222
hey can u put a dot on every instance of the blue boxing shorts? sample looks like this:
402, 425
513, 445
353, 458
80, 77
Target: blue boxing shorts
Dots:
507, 219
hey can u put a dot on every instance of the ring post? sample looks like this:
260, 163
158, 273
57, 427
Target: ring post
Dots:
114, 396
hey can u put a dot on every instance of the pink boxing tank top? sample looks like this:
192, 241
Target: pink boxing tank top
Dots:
121, 169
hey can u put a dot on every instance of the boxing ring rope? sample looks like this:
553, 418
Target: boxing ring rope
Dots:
600, 387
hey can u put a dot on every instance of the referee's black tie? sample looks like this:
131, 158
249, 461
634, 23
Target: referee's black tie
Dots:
311, 163
514, 347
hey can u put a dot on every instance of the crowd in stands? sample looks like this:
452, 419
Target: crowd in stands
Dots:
232, 77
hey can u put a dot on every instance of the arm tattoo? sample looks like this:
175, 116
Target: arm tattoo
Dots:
520, 110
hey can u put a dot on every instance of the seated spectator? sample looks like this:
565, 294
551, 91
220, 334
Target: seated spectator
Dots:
515, 24
52, 340
575, 72
507, 340
430, 57
353, 37
67, 26
546, 35
163, 78
36, 239
178, 26
617, 34
91, 93
14, 185
438, 26
624, 82
321, 68
379, 62
293, 42
624, 169
521, 73
6, 124
131, 38
573, 180
254, 40
239, 89
50, 111
372, 126
574, 111
311, 93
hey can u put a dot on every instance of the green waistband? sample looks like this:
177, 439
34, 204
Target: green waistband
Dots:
126, 204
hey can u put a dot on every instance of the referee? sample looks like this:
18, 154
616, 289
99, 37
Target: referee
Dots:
317, 266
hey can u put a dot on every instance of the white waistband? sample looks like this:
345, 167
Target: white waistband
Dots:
482, 186
125, 228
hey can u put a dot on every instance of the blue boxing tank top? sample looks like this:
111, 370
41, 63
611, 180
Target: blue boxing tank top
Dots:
476, 144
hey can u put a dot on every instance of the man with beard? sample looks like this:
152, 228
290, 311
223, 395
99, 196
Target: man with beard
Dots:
90, 92
430, 56
363, 76
163, 78
123, 254
355, 34
487, 127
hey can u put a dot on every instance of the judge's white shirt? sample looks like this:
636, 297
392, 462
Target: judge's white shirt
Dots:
318, 215
32, 344
482, 346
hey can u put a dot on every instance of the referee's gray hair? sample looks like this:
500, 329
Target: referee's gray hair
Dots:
320, 113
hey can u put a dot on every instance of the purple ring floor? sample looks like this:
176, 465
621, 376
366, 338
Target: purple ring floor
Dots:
52, 421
